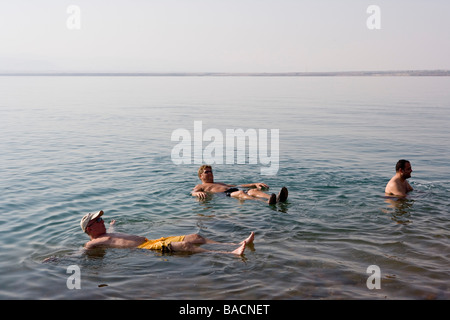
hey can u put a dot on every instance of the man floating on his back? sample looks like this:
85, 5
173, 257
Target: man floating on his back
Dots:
255, 192
94, 226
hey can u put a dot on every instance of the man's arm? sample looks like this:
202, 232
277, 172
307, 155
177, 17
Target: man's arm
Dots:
198, 192
409, 187
103, 241
111, 226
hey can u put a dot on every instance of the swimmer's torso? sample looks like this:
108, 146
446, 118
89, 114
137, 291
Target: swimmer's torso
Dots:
212, 187
118, 240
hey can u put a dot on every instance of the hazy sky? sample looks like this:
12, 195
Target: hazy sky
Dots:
223, 35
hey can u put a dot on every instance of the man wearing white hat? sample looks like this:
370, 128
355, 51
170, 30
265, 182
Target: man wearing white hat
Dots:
94, 226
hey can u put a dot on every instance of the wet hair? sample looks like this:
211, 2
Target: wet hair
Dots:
401, 164
202, 169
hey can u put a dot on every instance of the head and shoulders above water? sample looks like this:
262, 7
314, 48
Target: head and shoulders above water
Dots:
398, 185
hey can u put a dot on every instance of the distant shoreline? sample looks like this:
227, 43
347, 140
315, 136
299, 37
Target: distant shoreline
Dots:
400, 73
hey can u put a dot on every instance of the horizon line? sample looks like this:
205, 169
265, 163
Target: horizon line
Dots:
412, 72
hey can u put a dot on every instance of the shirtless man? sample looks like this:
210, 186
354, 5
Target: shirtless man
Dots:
398, 186
208, 185
94, 226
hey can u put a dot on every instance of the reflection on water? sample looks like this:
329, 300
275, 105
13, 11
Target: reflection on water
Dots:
399, 209
96, 253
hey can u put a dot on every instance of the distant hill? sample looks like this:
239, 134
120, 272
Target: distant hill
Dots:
394, 73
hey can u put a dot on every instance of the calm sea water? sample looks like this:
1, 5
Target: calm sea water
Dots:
71, 145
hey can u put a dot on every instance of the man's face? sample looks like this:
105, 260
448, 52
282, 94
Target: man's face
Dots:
207, 175
96, 227
406, 173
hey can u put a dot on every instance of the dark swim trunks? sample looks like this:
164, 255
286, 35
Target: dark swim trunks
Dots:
230, 191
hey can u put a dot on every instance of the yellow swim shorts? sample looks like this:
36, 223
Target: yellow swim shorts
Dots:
162, 244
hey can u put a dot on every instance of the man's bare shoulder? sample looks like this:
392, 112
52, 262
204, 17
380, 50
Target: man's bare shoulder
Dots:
396, 187
390, 183
198, 187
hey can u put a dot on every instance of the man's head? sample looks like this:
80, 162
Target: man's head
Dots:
205, 173
403, 167
92, 223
